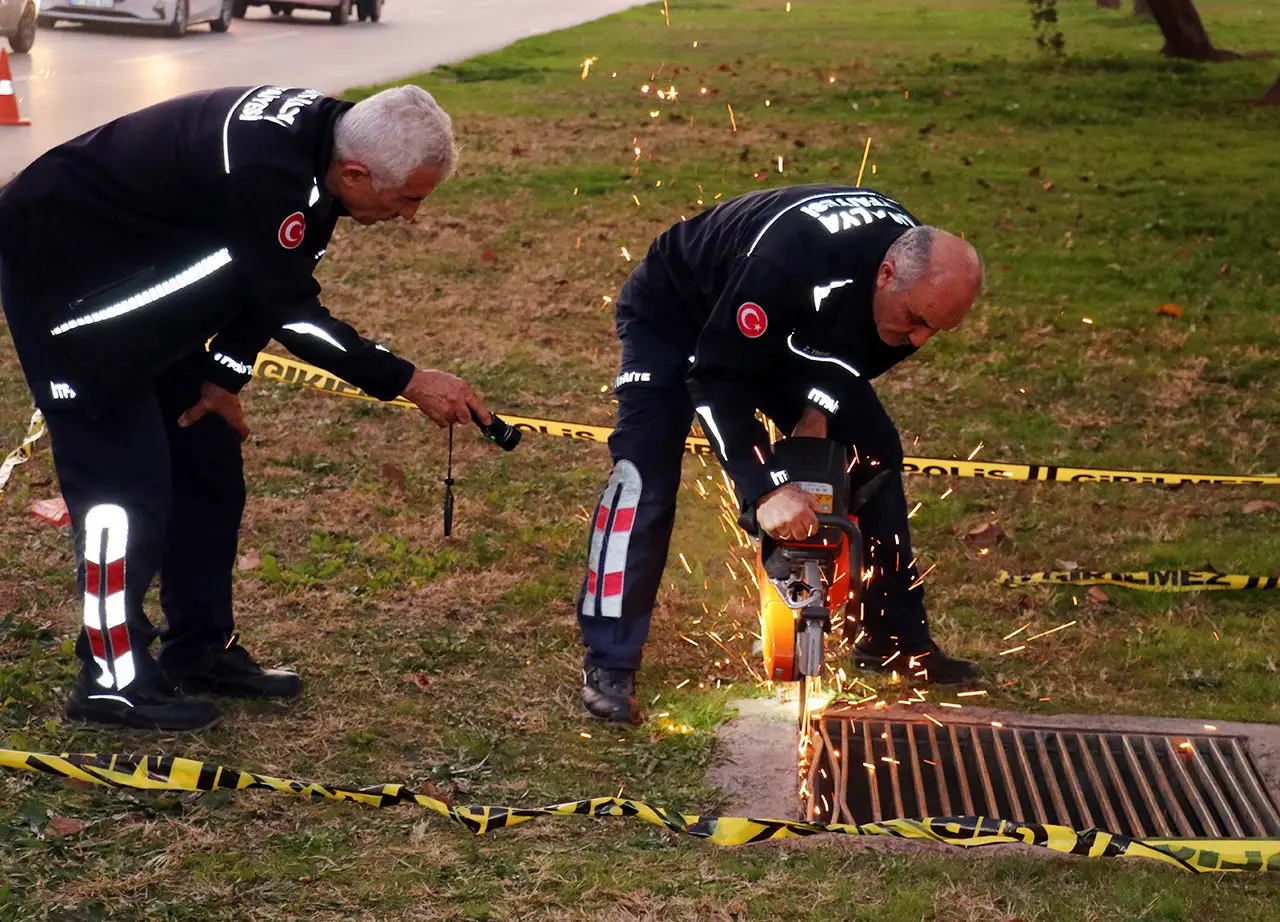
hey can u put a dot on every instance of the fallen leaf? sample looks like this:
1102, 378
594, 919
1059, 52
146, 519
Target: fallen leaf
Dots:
427, 789
418, 832
1259, 505
62, 826
1169, 310
250, 561
1097, 594
489, 256
53, 511
1026, 603
986, 535
392, 474
1225, 270
1033, 172
1047, 185
420, 679
1067, 565
462, 786
518, 151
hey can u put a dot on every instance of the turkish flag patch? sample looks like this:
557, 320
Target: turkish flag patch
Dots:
752, 320
292, 230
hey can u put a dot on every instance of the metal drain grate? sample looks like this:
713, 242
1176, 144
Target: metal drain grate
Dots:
1141, 785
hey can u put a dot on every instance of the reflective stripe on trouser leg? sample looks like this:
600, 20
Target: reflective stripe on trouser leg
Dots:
106, 537
610, 536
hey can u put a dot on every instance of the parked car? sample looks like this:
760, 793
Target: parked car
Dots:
175, 17
339, 10
18, 23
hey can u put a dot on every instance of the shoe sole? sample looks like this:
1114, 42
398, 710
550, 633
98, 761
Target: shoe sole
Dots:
627, 721
886, 670
139, 727
217, 691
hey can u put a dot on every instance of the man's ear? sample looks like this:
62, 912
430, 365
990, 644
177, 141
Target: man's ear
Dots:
884, 275
352, 172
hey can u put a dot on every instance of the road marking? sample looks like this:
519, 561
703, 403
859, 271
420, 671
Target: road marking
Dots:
269, 38
145, 58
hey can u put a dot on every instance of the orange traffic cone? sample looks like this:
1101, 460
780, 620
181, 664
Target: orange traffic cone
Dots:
8, 101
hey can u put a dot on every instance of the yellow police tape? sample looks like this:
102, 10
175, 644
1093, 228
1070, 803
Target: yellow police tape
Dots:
22, 454
164, 773
291, 371
1148, 581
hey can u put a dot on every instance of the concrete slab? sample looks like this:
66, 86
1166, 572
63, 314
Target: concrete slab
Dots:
757, 765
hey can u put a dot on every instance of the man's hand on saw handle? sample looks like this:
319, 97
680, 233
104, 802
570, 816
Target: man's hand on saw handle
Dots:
788, 513
446, 399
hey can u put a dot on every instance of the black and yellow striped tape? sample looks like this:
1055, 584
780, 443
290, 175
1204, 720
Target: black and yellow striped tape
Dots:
1146, 580
291, 371
22, 454
163, 773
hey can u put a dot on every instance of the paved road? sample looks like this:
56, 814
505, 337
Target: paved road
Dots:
76, 78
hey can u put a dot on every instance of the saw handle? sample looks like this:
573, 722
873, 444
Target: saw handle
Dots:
747, 522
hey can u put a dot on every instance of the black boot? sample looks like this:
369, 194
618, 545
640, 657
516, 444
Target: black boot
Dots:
232, 673
923, 661
610, 695
143, 708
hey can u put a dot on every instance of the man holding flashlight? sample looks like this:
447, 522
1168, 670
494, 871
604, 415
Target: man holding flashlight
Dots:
785, 301
198, 220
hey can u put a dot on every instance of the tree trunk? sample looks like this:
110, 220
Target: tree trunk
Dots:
1184, 34
1141, 8
1272, 96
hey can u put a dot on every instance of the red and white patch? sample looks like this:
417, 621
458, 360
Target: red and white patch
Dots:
752, 320
292, 230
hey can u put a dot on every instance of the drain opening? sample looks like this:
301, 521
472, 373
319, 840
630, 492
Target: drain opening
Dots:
1138, 784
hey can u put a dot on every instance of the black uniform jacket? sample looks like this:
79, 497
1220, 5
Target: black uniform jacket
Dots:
201, 217
770, 292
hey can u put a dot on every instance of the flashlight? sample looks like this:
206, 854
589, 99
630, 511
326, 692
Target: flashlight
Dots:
499, 431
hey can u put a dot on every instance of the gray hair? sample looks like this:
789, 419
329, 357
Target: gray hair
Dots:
396, 132
912, 255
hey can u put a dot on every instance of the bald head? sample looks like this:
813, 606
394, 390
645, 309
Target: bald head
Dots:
926, 282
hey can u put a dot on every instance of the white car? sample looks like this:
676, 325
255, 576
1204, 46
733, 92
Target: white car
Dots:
173, 16
18, 23
339, 10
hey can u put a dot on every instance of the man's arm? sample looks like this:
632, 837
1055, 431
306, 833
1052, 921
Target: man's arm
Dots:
267, 216
268, 213
741, 350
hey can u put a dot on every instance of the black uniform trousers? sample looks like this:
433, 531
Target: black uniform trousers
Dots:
630, 532
181, 491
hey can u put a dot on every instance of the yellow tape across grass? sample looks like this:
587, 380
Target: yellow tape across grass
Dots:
291, 371
1149, 580
164, 773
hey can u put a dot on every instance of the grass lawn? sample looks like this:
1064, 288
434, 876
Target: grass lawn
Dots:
1099, 187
